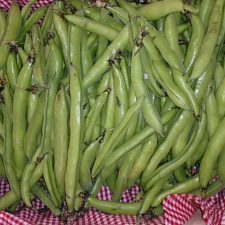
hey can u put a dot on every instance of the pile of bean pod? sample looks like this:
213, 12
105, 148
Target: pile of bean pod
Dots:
112, 94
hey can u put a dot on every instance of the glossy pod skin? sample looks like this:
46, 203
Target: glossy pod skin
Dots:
12, 70
221, 161
149, 111
19, 116
141, 162
95, 27
187, 152
159, 9
115, 207
61, 140
210, 40
164, 148
11, 32
8, 158
195, 43
86, 164
150, 196
74, 150
101, 65
214, 148
2, 23
185, 187
34, 127
107, 146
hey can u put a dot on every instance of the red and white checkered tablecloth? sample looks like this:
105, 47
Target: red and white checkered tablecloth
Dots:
178, 209
5, 4
38, 216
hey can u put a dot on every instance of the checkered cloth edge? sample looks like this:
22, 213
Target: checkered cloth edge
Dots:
5, 4
178, 209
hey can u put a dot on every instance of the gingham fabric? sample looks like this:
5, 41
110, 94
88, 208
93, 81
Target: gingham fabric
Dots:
5, 4
178, 209
39, 215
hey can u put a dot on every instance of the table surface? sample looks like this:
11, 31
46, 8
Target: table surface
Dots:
196, 219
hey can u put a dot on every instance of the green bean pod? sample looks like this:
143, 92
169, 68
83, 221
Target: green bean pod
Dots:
150, 196
183, 27
212, 113
171, 34
35, 16
121, 93
141, 162
93, 26
12, 26
40, 57
175, 93
47, 138
87, 60
2, 167
156, 10
2, 23
220, 44
214, 188
7, 200
101, 65
149, 78
182, 139
20, 101
75, 46
61, 134
79, 200
167, 53
42, 195
8, 153
22, 55
26, 9
31, 105
47, 21
164, 148
214, 149
11, 32
220, 98
187, 152
183, 83
205, 11
31, 139
218, 75
119, 13
12, 70
27, 43
107, 147
149, 111
76, 124
199, 151
110, 108
62, 30
99, 103
114, 207
25, 186
203, 82
185, 187
55, 63
210, 40
87, 161
195, 42
126, 165
128, 145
